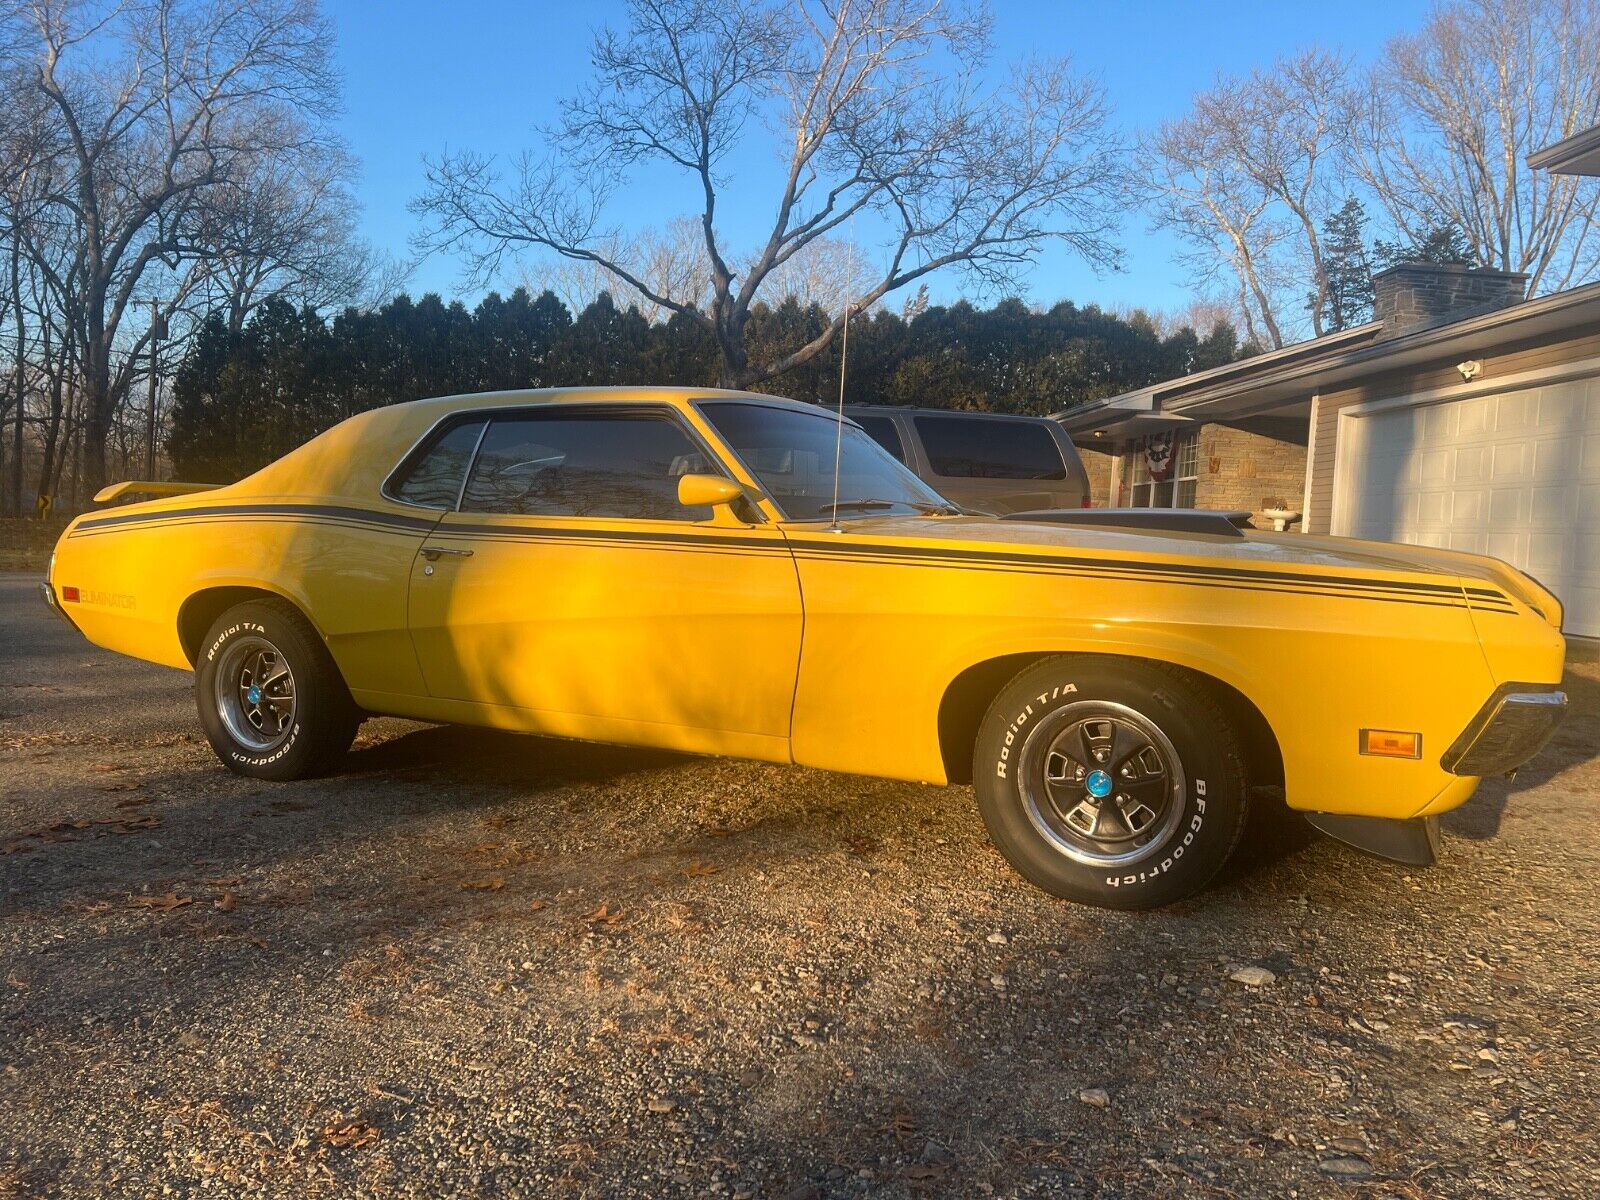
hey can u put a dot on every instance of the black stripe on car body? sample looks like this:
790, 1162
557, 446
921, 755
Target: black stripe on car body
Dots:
884, 553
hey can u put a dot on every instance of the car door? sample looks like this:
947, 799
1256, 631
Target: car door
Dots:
570, 593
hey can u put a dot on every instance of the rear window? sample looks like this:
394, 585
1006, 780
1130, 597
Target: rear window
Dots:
986, 448
882, 431
433, 477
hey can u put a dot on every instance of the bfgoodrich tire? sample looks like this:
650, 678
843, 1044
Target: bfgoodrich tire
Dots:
1110, 781
271, 700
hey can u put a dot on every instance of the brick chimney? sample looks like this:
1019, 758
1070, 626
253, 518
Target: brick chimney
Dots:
1414, 295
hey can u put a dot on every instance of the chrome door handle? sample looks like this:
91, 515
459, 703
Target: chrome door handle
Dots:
432, 553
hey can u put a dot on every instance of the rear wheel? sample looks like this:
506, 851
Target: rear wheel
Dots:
271, 700
1114, 782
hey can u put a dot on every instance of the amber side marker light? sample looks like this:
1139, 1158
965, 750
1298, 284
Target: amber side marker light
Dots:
69, 593
1391, 743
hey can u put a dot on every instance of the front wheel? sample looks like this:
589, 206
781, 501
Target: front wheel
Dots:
271, 700
1113, 782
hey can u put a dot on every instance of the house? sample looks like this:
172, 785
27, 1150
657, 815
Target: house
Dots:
1462, 416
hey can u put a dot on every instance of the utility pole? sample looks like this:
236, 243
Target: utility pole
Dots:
156, 331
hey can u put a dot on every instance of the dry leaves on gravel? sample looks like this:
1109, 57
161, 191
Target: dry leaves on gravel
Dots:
604, 916
71, 831
164, 903
350, 1135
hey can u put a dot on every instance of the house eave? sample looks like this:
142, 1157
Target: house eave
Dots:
1575, 155
1258, 386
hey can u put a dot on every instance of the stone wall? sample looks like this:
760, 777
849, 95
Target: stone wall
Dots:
1240, 469
1098, 468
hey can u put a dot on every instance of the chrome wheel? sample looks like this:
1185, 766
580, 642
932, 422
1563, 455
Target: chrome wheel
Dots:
1101, 783
255, 693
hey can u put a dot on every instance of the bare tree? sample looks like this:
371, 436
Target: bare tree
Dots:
1247, 179
1454, 112
828, 271
670, 262
161, 108
872, 126
284, 228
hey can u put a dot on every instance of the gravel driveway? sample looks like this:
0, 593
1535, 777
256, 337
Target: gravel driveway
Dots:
481, 964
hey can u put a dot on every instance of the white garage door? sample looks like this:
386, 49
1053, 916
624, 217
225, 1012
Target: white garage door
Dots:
1514, 476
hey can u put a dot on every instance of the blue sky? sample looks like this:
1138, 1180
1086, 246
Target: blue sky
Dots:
420, 76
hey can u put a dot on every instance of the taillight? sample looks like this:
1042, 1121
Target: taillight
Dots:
1086, 503
70, 593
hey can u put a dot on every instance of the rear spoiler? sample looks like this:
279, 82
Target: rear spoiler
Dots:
1218, 522
145, 487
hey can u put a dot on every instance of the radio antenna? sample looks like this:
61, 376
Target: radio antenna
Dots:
838, 429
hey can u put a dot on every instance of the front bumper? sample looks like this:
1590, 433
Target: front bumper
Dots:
1509, 730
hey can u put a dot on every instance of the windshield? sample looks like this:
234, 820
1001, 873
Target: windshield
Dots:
791, 452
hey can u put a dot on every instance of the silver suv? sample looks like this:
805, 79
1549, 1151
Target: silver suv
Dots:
992, 462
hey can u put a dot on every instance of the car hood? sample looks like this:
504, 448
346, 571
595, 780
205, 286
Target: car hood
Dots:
1254, 550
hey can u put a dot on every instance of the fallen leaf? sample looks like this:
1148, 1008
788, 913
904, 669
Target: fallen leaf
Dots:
122, 785
350, 1135
698, 869
134, 802
133, 824
484, 885
164, 903
538, 904
231, 881
604, 916
227, 903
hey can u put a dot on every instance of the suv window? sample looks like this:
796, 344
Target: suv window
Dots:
433, 479
622, 464
882, 431
984, 448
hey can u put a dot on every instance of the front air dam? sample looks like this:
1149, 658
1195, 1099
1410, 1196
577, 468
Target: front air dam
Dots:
1413, 841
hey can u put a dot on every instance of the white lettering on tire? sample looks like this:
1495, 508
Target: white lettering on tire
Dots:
227, 633
1001, 765
1166, 864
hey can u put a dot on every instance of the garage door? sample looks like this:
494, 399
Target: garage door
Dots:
1514, 476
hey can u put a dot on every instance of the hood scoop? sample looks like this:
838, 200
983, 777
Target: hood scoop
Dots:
1170, 520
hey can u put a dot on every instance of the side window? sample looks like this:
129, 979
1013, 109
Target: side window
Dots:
623, 464
882, 431
985, 448
433, 478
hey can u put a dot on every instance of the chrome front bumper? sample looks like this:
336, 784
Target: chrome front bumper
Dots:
1509, 730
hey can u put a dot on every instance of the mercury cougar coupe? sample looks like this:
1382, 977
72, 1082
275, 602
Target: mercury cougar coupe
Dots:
685, 569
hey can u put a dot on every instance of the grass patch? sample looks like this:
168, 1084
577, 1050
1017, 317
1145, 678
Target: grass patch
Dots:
25, 543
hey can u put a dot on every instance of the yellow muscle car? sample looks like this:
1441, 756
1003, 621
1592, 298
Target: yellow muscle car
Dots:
681, 569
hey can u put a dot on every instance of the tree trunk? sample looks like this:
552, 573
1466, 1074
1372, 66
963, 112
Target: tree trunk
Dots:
19, 379
96, 434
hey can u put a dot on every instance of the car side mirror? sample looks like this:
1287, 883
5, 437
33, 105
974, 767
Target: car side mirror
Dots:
707, 491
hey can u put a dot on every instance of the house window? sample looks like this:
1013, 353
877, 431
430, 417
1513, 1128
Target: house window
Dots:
1176, 491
